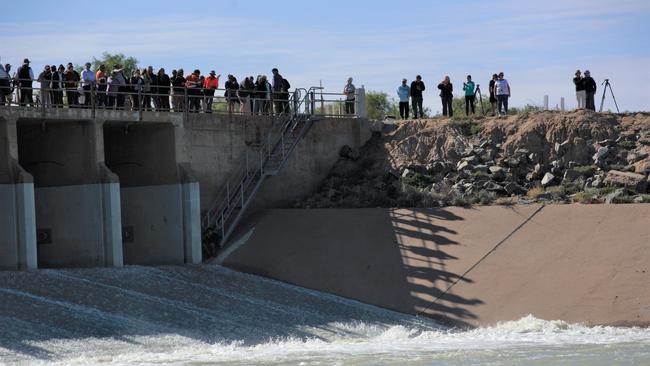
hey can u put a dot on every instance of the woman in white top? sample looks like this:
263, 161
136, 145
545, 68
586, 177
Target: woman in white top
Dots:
502, 91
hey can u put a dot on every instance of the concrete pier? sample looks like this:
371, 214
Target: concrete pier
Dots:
17, 217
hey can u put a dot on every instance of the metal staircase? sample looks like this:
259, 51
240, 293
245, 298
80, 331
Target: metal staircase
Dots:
255, 166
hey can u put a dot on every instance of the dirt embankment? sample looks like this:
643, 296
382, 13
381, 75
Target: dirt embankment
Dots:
580, 156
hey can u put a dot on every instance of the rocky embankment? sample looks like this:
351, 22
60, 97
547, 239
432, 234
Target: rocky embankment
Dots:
546, 156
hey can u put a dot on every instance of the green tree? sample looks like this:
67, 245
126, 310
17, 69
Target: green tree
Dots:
110, 60
380, 105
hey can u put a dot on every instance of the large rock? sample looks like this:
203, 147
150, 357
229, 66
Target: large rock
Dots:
633, 181
548, 179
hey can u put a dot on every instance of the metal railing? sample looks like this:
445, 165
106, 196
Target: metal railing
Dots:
240, 188
175, 99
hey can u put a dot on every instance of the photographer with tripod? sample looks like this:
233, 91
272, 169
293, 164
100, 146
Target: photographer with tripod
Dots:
590, 91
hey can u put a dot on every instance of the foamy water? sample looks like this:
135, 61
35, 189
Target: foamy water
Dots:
210, 315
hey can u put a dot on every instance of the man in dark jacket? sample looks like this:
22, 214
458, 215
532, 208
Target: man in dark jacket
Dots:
71, 77
25, 76
447, 96
417, 87
590, 90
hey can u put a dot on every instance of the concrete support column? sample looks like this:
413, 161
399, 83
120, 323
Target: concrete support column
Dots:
17, 217
191, 215
362, 108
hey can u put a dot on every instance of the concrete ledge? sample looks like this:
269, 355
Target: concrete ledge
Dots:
579, 263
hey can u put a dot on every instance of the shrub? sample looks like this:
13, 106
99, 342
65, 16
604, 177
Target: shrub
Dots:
535, 192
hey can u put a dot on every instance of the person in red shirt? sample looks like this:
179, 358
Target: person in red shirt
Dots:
194, 91
210, 84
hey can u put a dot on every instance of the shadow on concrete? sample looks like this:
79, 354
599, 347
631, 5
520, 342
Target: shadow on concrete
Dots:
422, 243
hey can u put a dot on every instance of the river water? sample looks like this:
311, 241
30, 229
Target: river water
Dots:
196, 315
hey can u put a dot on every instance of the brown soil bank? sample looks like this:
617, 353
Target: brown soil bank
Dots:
469, 267
546, 156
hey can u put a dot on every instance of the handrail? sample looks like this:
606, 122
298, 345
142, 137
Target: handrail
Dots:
69, 93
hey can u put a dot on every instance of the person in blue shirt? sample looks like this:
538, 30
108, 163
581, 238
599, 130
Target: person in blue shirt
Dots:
468, 87
403, 92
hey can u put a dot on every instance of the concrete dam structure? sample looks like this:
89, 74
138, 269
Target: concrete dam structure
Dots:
82, 188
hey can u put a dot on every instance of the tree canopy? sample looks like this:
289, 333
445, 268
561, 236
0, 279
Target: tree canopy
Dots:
110, 60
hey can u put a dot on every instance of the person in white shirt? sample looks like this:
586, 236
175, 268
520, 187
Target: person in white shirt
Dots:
87, 82
502, 91
5, 85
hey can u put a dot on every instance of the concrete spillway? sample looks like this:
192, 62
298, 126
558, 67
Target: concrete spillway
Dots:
579, 263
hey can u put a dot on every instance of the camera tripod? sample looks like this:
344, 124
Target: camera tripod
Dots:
480, 97
602, 101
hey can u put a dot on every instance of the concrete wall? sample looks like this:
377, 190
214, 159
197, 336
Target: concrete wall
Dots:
468, 267
214, 144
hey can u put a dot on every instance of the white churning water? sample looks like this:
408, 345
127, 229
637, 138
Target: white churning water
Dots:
210, 315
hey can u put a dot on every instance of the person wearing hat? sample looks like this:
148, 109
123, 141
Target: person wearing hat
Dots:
581, 95
210, 84
590, 91
25, 76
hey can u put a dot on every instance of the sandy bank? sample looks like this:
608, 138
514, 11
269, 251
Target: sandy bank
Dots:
579, 263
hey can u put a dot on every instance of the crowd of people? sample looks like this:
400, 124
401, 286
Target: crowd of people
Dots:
142, 89
499, 94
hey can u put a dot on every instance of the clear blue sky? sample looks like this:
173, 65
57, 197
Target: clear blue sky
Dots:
538, 45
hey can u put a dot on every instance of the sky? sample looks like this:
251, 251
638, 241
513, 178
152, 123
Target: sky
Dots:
537, 44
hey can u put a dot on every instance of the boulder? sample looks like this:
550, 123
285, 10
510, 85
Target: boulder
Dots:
570, 175
609, 199
548, 179
634, 181
498, 173
642, 167
600, 154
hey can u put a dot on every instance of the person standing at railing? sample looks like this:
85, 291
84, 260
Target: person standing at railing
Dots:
244, 94
44, 79
7, 69
88, 79
403, 93
25, 76
100, 77
147, 90
122, 86
178, 82
277, 91
56, 85
232, 86
153, 88
259, 96
5, 85
350, 96
268, 103
417, 88
71, 77
193, 91
113, 89
137, 86
210, 85
163, 90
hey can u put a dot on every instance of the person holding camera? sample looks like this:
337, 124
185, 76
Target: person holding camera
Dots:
417, 87
590, 91
468, 87
581, 94
447, 96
